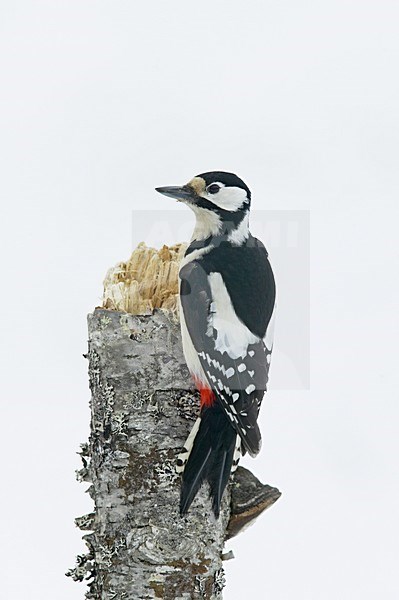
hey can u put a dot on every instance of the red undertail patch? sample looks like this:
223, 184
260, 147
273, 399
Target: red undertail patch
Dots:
207, 395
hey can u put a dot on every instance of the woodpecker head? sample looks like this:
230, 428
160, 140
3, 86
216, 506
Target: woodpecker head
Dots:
220, 201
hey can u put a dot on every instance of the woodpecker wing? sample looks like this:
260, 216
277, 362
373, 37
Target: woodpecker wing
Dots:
234, 359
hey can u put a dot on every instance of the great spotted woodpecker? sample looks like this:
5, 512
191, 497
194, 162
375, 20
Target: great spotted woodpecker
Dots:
227, 299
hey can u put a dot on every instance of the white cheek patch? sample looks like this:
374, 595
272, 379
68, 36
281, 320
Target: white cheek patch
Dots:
227, 198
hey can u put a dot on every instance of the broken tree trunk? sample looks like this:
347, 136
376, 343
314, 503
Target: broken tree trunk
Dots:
142, 408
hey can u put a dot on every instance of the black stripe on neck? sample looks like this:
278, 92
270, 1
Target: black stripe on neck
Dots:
198, 245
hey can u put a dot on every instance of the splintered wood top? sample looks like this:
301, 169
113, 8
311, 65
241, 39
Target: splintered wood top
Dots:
148, 280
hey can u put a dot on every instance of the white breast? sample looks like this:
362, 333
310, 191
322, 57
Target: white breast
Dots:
190, 353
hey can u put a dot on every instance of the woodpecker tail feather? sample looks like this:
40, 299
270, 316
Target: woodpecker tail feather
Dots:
207, 456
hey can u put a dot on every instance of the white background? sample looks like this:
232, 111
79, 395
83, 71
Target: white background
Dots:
102, 101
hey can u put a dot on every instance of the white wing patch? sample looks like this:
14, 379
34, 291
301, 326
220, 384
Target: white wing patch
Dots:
233, 337
269, 337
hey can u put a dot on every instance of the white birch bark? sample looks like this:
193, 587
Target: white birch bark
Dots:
142, 408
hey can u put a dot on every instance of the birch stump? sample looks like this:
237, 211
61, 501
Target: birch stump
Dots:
142, 407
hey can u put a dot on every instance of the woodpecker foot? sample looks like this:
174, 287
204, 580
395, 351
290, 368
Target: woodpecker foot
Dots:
249, 498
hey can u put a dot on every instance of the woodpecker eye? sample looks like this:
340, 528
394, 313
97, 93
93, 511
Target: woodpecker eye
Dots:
213, 188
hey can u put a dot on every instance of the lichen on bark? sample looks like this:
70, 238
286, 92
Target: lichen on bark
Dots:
143, 406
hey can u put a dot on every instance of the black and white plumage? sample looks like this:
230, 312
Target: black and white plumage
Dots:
227, 299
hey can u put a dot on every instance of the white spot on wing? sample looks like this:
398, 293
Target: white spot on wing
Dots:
211, 377
229, 372
241, 367
251, 388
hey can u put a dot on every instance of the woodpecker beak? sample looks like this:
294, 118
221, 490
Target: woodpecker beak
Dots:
178, 193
